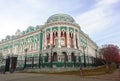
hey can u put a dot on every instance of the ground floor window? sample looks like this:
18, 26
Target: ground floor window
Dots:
64, 56
73, 57
54, 56
46, 58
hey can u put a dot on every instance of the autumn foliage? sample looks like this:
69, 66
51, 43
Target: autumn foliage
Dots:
111, 53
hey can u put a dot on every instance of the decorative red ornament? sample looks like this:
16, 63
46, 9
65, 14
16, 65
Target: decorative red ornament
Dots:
58, 57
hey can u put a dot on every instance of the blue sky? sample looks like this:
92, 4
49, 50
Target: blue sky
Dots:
99, 19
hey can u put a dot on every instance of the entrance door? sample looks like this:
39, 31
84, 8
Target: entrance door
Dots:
7, 65
13, 63
65, 58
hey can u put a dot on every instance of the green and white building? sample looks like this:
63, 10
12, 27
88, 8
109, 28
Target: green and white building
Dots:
60, 42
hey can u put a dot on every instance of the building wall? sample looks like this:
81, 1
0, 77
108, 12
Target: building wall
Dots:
62, 43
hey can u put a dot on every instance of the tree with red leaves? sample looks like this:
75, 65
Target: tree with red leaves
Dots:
111, 54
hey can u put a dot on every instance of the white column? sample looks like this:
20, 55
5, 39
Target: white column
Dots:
59, 39
58, 55
43, 59
59, 58
68, 38
77, 60
78, 37
69, 57
45, 40
49, 57
74, 39
51, 35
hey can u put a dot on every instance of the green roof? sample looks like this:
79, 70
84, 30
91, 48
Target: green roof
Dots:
60, 17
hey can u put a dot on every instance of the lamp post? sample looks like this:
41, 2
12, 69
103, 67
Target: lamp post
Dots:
39, 60
96, 57
84, 47
25, 57
51, 57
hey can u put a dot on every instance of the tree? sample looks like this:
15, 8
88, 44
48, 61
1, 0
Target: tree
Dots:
110, 54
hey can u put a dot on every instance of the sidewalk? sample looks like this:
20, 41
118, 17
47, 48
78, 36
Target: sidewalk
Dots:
114, 76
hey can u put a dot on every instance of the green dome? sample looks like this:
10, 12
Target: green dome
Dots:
60, 17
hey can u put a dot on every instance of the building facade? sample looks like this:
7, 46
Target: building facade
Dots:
60, 42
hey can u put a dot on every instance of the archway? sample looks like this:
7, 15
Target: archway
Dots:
48, 38
54, 57
13, 64
76, 40
63, 38
55, 35
71, 39
46, 57
65, 58
7, 65
73, 58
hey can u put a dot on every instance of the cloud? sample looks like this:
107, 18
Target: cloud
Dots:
98, 19
20, 14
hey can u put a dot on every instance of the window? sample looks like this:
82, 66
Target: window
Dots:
55, 56
46, 58
62, 42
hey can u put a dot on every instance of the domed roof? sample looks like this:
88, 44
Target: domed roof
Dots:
60, 17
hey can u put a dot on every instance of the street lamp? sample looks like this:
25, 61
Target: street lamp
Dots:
51, 57
96, 57
25, 57
39, 59
84, 47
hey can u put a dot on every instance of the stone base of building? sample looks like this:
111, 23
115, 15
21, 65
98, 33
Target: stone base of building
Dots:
51, 70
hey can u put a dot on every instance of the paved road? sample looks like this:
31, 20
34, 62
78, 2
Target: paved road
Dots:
44, 77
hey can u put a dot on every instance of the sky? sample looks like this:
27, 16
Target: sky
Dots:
100, 19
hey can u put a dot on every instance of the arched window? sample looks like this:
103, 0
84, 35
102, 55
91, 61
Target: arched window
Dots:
65, 57
54, 56
48, 38
76, 41
73, 58
46, 57
63, 38
71, 38
55, 35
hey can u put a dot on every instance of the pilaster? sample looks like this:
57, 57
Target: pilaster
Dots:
58, 56
74, 39
51, 36
69, 57
68, 38
45, 40
78, 37
59, 39
77, 59
49, 57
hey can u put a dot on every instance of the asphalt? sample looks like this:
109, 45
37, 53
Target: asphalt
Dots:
45, 77
53, 77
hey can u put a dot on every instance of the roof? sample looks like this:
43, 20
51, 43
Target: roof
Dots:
60, 17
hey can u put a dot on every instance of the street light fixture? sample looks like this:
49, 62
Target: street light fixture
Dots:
39, 60
84, 47
25, 57
51, 62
